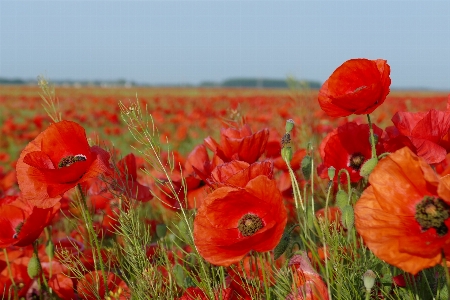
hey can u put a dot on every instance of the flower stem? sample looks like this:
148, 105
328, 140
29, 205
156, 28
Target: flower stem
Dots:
447, 273
91, 233
13, 283
372, 137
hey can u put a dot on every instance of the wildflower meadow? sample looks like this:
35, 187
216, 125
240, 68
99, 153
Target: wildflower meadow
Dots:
226, 193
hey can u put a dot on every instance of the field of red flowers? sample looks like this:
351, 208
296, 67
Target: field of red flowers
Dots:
177, 193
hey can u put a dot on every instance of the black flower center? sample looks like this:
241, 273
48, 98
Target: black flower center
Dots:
432, 212
356, 161
69, 160
249, 224
17, 230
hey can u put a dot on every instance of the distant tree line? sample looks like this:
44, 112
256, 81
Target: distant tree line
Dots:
233, 82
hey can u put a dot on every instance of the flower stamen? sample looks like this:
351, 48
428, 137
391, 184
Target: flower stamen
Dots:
69, 160
249, 224
356, 161
432, 212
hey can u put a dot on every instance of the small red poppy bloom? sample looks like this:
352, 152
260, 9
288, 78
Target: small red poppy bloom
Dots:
308, 284
404, 215
57, 160
348, 147
357, 87
233, 221
425, 133
238, 173
20, 276
126, 180
239, 144
22, 223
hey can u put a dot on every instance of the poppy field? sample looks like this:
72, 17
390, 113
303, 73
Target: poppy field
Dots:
226, 193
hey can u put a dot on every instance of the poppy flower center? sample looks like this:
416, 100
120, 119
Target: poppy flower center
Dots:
356, 161
249, 224
69, 160
17, 230
432, 212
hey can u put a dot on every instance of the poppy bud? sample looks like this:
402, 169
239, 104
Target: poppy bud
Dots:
341, 199
331, 172
369, 279
348, 217
368, 167
179, 274
50, 249
34, 266
286, 154
306, 167
289, 125
161, 230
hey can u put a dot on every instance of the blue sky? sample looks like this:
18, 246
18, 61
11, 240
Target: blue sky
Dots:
174, 42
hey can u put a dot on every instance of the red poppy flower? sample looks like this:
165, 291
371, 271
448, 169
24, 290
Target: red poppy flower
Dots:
348, 147
21, 223
239, 144
233, 221
21, 279
403, 216
425, 133
238, 173
126, 180
248, 277
57, 160
197, 168
358, 86
308, 285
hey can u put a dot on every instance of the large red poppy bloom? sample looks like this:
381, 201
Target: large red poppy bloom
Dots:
233, 221
348, 147
239, 144
425, 133
403, 216
358, 86
57, 160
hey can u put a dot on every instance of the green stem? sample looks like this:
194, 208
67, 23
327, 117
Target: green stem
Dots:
372, 137
447, 274
13, 283
367, 294
330, 186
312, 179
349, 186
92, 235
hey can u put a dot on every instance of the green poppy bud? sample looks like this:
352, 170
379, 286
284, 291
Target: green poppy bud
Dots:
306, 167
34, 266
341, 199
331, 172
289, 125
368, 167
369, 279
348, 217
161, 230
50, 249
179, 274
286, 154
